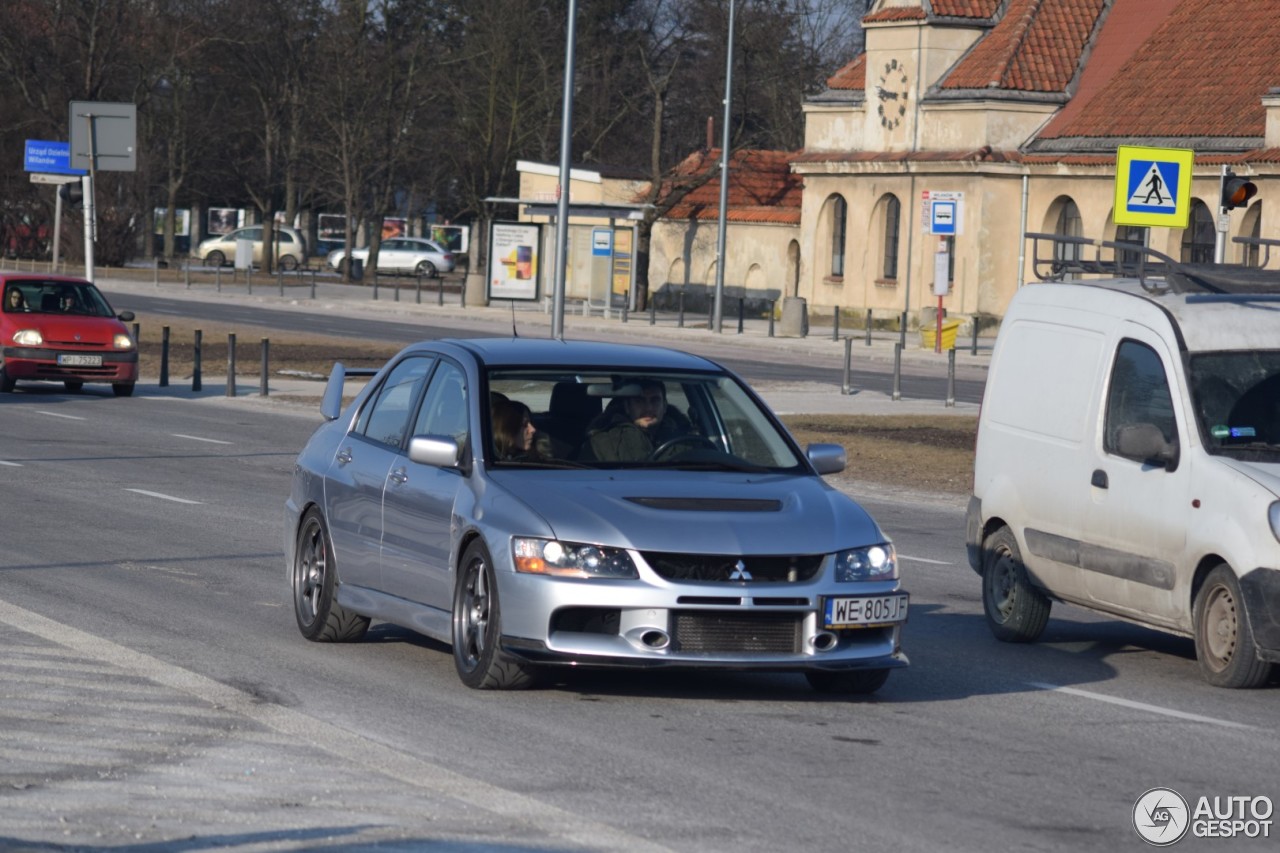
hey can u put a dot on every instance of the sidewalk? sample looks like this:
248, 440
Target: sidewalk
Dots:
758, 336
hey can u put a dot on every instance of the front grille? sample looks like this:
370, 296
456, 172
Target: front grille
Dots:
710, 631
701, 568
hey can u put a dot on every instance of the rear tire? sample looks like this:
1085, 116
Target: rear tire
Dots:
288, 263
315, 582
477, 628
122, 389
1224, 642
857, 682
215, 259
1016, 611
426, 269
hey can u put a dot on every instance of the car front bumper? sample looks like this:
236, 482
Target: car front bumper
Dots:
41, 363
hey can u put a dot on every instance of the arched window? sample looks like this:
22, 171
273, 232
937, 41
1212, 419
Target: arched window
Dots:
1252, 227
1135, 234
1069, 224
892, 232
839, 224
1198, 239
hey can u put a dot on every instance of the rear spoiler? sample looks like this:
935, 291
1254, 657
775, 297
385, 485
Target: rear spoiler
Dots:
331, 403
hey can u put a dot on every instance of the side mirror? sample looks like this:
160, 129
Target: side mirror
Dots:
1146, 442
826, 458
125, 316
438, 451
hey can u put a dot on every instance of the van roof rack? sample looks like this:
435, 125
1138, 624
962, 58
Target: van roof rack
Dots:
1056, 256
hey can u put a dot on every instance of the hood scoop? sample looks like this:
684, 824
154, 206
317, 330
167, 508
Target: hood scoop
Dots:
710, 504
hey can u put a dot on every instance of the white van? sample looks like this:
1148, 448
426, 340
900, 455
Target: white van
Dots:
1128, 453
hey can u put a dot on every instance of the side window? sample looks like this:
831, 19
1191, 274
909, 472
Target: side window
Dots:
1138, 394
387, 418
444, 409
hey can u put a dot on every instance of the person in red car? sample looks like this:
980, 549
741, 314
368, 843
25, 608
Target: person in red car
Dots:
62, 329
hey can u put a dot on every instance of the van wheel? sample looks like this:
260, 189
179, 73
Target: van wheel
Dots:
1016, 611
1224, 642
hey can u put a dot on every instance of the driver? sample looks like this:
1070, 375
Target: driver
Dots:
632, 427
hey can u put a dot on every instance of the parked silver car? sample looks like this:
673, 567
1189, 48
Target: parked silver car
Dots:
402, 255
536, 503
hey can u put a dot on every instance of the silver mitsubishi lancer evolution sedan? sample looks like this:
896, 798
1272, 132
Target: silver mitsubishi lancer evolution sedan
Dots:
542, 503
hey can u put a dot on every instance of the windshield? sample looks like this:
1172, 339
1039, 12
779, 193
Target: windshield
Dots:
55, 297
631, 419
1237, 400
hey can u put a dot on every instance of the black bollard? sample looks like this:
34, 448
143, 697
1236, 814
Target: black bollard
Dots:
845, 386
973, 350
742, 307
264, 372
164, 357
231, 364
868, 327
897, 371
951, 377
653, 310
773, 306
195, 363
835, 325
680, 322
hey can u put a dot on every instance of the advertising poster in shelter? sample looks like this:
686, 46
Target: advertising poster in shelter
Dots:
223, 220
514, 262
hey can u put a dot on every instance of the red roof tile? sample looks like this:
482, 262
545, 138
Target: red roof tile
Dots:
896, 13
1202, 73
965, 8
1035, 47
852, 76
762, 187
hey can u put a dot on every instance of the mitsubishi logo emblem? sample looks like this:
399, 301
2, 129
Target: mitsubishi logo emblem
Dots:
740, 572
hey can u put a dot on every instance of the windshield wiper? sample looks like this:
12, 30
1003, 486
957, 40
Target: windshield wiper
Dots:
707, 465
539, 463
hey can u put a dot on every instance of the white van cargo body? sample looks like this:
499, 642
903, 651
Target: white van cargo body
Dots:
1128, 454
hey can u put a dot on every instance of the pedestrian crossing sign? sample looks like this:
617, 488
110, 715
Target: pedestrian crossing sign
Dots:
1153, 186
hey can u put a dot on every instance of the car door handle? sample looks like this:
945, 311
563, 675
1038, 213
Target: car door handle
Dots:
1099, 479
399, 476
344, 456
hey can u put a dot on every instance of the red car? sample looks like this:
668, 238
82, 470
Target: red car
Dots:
61, 329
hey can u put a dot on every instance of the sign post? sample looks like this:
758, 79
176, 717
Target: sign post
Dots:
103, 137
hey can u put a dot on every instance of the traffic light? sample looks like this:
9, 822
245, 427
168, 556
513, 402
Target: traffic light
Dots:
1236, 191
73, 194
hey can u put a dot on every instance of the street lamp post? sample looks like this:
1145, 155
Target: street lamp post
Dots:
562, 192
718, 313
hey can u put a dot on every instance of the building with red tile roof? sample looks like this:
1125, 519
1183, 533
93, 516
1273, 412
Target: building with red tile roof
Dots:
1015, 110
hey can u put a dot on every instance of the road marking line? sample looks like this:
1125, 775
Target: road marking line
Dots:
924, 560
198, 438
60, 415
11, 464
163, 496
1142, 706
351, 746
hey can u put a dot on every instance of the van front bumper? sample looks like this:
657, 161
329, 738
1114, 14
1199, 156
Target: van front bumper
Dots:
1261, 591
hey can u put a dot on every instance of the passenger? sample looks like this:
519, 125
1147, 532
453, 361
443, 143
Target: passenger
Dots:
513, 431
631, 430
69, 302
15, 300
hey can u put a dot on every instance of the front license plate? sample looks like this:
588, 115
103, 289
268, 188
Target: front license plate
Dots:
80, 360
866, 611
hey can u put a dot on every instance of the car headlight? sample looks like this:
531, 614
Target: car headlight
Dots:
571, 559
1273, 515
873, 563
28, 338
122, 342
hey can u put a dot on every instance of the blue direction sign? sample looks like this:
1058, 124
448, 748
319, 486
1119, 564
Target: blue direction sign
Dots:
51, 158
1153, 186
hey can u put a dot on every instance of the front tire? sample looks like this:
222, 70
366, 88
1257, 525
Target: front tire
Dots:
288, 263
1224, 642
477, 627
1016, 611
857, 682
215, 259
122, 389
315, 582
73, 385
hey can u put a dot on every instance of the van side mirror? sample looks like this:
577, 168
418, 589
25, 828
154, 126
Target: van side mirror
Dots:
1146, 442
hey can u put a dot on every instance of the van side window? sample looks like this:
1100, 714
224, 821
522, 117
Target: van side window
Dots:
1138, 394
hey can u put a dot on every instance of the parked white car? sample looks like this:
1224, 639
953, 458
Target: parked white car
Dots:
1128, 454
413, 255
291, 247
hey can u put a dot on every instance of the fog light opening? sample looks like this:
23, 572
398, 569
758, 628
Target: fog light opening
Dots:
655, 639
823, 641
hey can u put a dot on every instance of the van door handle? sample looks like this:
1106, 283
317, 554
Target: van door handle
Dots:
1099, 479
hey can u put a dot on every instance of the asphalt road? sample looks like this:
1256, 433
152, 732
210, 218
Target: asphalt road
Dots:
156, 695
